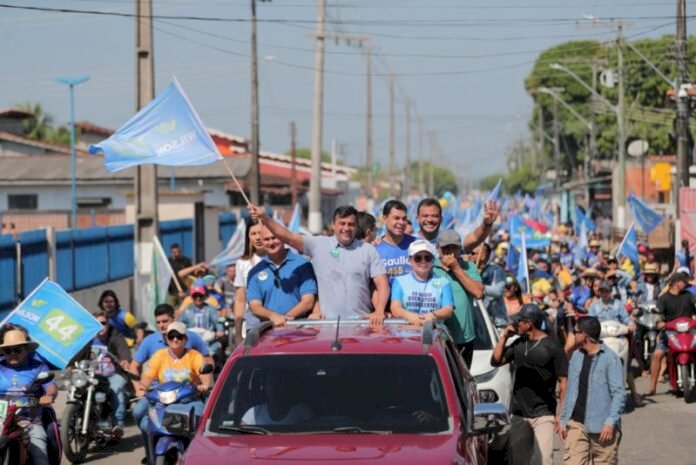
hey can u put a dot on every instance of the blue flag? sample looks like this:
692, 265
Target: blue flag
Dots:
533, 238
513, 260
629, 247
494, 195
60, 325
523, 266
167, 131
295, 220
646, 218
234, 249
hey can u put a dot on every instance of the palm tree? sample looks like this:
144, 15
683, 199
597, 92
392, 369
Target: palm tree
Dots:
40, 125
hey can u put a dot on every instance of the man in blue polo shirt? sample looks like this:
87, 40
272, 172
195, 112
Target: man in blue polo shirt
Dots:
393, 247
282, 286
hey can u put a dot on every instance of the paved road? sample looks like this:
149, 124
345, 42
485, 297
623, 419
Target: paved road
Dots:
660, 432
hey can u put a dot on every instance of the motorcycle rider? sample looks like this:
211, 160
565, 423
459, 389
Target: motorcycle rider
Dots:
677, 302
201, 317
609, 308
18, 369
175, 363
109, 341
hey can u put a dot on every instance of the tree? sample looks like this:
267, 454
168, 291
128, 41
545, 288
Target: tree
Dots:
443, 178
489, 182
40, 126
306, 153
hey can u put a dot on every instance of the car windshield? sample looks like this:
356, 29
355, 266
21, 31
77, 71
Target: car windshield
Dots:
482, 337
332, 393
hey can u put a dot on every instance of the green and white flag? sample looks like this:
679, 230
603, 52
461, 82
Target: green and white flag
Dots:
160, 277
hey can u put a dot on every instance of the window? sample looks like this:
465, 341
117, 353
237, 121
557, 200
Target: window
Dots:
332, 393
22, 201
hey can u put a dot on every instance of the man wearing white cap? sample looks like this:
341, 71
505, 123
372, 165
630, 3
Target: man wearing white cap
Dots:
419, 296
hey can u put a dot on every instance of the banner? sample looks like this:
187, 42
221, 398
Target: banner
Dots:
167, 131
646, 218
56, 321
533, 239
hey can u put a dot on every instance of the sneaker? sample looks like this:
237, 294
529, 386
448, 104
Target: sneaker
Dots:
117, 431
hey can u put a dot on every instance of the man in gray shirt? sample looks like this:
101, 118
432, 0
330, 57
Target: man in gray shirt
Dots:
345, 267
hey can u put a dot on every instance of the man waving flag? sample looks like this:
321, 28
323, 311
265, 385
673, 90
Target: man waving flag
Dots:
167, 131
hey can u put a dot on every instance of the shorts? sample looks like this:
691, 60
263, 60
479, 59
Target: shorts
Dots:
661, 342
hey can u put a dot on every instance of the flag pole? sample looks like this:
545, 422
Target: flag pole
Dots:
234, 178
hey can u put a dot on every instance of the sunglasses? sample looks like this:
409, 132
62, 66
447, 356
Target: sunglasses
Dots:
104, 323
175, 336
13, 350
423, 258
197, 296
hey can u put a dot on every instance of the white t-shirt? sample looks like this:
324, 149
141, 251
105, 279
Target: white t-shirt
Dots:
258, 415
243, 268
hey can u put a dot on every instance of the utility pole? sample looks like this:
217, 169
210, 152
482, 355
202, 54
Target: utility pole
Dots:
253, 176
542, 155
556, 146
621, 201
431, 176
146, 217
682, 97
368, 132
407, 171
392, 142
421, 174
315, 219
593, 118
293, 163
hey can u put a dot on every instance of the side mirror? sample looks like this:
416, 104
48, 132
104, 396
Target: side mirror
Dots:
490, 418
180, 420
206, 369
44, 377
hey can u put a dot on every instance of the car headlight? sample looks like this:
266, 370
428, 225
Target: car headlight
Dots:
167, 397
488, 396
79, 379
487, 376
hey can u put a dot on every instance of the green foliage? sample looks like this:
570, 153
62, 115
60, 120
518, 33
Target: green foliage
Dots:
489, 182
306, 153
40, 125
443, 178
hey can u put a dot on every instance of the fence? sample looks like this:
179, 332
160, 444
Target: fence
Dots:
83, 257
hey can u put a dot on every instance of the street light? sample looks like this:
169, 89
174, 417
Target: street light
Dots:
71, 83
618, 109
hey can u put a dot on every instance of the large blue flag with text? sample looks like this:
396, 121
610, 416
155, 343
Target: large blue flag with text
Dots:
533, 238
629, 247
646, 218
60, 325
167, 131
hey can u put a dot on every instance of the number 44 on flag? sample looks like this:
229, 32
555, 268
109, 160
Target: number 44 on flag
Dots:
56, 321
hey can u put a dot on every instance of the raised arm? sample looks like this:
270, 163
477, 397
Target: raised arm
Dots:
281, 232
477, 236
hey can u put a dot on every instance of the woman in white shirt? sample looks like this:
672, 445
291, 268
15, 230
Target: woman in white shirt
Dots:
253, 252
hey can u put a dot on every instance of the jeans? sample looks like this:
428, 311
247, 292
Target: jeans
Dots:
145, 421
37, 444
117, 385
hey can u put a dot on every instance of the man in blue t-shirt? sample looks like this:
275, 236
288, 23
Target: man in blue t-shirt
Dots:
393, 247
282, 286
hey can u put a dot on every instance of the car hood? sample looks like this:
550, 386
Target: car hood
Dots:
320, 449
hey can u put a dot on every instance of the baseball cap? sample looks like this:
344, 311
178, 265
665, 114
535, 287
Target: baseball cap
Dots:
209, 278
684, 270
178, 327
591, 326
421, 246
198, 290
449, 237
529, 312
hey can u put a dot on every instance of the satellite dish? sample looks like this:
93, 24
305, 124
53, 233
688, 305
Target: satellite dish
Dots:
638, 148
607, 78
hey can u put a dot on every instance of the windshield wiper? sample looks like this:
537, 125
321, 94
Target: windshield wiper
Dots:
358, 430
242, 429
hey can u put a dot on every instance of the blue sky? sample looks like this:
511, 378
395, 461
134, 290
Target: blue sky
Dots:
462, 63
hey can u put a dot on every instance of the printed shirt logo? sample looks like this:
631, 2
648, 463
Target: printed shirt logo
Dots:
335, 252
438, 283
262, 276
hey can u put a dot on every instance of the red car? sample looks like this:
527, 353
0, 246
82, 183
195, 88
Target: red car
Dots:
319, 392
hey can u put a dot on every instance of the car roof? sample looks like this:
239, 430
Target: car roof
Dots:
355, 337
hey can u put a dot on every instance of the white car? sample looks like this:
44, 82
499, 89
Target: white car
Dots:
494, 383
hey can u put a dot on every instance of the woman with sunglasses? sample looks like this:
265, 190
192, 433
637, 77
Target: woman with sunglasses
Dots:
512, 296
420, 296
18, 369
253, 253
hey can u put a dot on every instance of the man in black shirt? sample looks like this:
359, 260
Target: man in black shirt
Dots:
178, 262
540, 364
677, 302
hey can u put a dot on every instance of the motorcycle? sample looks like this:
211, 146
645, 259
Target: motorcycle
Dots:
614, 334
87, 416
647, 317
681, 357
14, 427
167, 403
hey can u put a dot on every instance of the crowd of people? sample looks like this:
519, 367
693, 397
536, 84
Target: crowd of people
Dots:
550, 322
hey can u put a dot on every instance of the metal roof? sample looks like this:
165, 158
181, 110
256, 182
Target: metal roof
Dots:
55, 169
